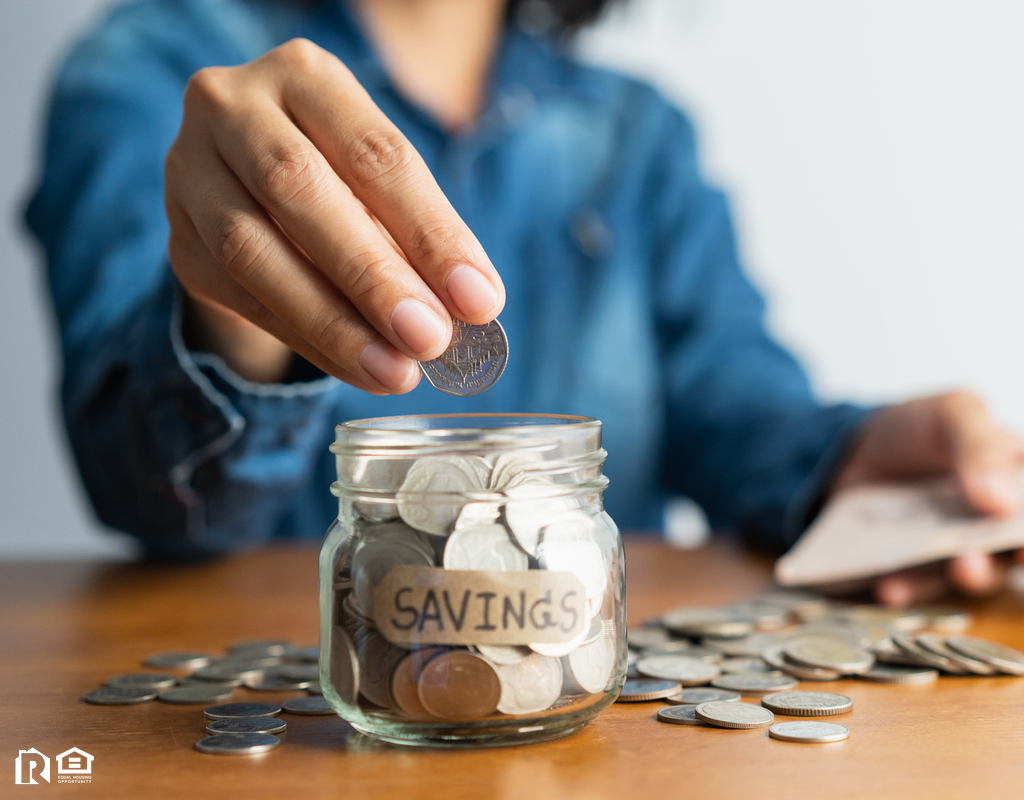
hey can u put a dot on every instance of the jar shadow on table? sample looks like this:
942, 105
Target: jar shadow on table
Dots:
472, 588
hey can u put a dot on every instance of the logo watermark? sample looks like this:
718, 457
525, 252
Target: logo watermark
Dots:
73, 766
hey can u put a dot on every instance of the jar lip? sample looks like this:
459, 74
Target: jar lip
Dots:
531, 423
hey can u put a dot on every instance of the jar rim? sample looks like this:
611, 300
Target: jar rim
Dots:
531, 423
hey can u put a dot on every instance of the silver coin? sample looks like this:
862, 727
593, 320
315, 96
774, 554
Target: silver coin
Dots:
729, 665
530, 686
315, 689
1003, 658
260, 647
569, 544
246, 663
828, 653
195, 693
591, 665
649, 637
900, 675
217, 673
680, 715
936, 643
237, 744
808, 732
723, 714
374, 558
299, 673
152, 679
120, 695
755, 683
696, 621
473, 362
247, 725
750, 646
916, 654
687, 671
679, 648
344, 666
423, 496
807, 704
693, 697
530, 508
275, 683
473, 514
308, 706
231, 710
305, 655
642, 690
179, 659
775, 658
484, 547
947, 619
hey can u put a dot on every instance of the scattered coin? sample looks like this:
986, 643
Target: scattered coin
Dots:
643, 638
998, 655
706, 622
473, 362
755, 683
303, 654
217, 673
237, 744
734, 715
299, 673
260, 647
641, 690
120, 695
231, 710
775, 658
275, 683
936, 644
308, 706
315, 688
729, 665
179, 659
697, 696
947, 619
247, 725
898, 674
154, 680
807, 704
680, 715
827, 653
686, 671
809, 732
910, 650
195, 693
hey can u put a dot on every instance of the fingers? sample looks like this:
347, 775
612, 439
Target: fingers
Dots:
387, 174
976, 573
247, 265
902, 589
984, 457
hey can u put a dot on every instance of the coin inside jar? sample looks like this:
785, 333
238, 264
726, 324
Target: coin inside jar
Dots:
459, 685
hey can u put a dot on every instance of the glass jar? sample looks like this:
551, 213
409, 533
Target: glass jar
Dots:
472, 588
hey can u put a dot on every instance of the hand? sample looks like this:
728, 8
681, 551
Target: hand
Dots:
952, 433
297, 207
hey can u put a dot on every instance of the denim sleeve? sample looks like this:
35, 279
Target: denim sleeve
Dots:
172, 447
746, 437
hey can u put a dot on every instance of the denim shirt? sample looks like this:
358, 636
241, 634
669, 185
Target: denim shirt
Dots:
625, 297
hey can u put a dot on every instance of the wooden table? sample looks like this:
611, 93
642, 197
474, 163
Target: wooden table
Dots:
66, 627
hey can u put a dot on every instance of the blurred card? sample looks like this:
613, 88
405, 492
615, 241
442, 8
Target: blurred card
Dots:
873, 530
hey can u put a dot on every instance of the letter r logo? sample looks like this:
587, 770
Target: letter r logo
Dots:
27, 762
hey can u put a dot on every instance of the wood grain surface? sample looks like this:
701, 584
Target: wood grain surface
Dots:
64, 628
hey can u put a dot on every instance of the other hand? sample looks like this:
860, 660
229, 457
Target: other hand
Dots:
948, 434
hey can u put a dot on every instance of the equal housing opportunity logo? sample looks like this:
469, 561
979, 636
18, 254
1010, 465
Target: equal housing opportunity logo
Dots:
73, 766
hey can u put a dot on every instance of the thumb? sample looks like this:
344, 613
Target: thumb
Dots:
984, 456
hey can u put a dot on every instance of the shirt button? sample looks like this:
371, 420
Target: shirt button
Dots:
591, 233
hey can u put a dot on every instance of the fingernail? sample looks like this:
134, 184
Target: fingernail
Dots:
385, 364
419, 326
474, 296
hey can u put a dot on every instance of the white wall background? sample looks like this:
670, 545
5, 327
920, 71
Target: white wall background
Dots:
874, 151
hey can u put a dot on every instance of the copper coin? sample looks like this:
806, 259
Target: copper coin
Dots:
459, 685
405, 689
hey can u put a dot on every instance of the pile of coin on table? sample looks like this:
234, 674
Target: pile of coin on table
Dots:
529, 529
194, 678
763, 647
